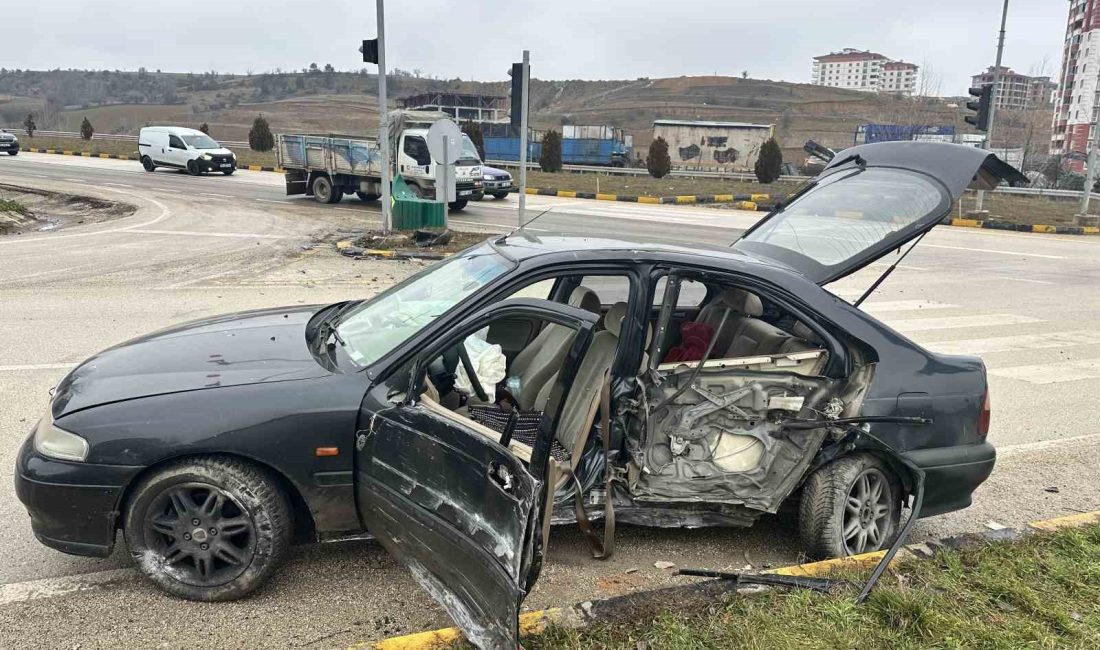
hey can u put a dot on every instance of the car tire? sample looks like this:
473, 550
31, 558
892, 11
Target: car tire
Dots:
13, 152
324, 192
367, 196
193, 168
457, 205
848, 507
147, 163
245, 523
228, 172
499, 195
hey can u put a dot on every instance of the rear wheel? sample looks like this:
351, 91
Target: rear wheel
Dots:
457, 205
324, 192
208, 529
147, 163
367, 196
848, 507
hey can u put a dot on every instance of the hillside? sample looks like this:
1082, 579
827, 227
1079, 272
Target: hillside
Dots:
323, 100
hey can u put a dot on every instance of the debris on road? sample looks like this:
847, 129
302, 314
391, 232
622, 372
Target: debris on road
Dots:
662, 564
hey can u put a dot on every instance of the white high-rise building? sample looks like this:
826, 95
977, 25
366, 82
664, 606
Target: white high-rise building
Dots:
861, 70
1075, 102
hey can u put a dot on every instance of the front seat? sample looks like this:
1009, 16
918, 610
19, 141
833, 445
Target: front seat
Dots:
540, 359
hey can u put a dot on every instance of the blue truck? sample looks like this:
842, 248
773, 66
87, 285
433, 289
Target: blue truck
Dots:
581, 145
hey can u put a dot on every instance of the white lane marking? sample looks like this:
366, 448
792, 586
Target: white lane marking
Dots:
1040, 445
117, 184
1042, 341
78, 181
164, 189
995, 252
220, 196
1029, 280
164, 214
904, 305
17, 592
953, 322
1052, 373
36, 366
494, 226
200, 233
284, 201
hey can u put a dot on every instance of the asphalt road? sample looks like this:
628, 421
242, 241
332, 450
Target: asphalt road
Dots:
198, 246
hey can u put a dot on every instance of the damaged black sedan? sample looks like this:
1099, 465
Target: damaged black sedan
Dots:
527, 381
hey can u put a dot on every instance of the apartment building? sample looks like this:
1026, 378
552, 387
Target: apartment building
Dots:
1017, 91
864, 70
1075, 101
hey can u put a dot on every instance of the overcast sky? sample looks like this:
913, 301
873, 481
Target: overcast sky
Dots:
568, 39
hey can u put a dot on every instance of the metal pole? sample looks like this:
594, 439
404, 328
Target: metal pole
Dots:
523, 138
993, 93
383, 120
1090, 172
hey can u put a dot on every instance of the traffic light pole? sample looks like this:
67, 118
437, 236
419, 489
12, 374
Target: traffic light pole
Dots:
993, 94
1090, 172
523, 137
383, 120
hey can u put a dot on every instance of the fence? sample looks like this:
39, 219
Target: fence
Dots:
102, 136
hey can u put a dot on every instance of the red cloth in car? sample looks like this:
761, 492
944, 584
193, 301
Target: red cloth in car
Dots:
694, 338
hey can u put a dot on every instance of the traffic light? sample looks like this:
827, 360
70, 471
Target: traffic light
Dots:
980, 119
370, 51
517, 94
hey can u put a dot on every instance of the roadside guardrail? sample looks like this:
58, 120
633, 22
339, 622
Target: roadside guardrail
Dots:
116, 137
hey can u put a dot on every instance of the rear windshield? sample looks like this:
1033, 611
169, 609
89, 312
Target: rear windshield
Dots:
845, 218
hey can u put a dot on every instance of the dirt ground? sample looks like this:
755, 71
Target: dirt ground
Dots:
44, 210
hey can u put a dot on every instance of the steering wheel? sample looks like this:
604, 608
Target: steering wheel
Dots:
464, 356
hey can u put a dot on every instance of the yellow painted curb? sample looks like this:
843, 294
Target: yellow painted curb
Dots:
685, 198
104, 155
1069, 521
825, 566
745, 205
86, 154
280, 170
341, 245
532, 190
529, 623
66, 153
1042, 228
567, 194
51, 151
759, 197
966, 223
723, 198
378, 253
648, 199
1090, 230
125, 158
607, 197
255, 168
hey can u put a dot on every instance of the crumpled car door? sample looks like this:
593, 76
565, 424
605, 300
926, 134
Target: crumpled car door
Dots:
461, 511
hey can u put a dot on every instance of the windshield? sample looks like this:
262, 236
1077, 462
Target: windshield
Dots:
201, 142
847, 220
377, 326
469, 151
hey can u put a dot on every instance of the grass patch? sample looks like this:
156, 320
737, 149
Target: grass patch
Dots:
649, 186
13, 206
96, 147
403, 241
1042, 592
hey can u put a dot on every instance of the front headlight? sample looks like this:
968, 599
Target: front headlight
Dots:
207, 156
232, 155
486, 177
58, 443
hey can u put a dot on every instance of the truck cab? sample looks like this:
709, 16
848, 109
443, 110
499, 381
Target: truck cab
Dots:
416, 165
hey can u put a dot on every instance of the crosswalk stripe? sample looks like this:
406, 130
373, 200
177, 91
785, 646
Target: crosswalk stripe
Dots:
1021, 342
1052, 373
954, 322
904, 305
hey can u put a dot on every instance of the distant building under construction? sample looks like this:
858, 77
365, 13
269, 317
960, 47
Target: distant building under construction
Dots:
461, 106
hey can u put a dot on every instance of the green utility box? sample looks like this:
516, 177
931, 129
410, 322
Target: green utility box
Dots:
411, 212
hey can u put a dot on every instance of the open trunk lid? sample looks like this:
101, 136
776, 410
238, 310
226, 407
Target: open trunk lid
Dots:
871, 199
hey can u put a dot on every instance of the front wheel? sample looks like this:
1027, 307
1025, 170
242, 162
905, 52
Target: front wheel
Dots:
193, 168
457, 205
13, 152
147, 163
208, 529
228, 172
499, 195
848, 507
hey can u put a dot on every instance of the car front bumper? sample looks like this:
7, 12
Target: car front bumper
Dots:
8, 146
951, 474
499, 186
73, 506
217, 165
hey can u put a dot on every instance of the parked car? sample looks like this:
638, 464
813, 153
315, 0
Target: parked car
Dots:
533, 379
9, 143
181, 148
496, 182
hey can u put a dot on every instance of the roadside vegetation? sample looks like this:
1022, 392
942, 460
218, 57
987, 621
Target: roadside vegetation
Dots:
7, 205
1042, 592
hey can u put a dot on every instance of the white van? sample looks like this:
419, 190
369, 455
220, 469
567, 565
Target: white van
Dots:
182, 148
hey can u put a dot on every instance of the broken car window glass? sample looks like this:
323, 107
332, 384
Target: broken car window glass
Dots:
380, 324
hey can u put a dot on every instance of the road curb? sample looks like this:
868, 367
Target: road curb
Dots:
115, 156
1032, 228
741, 201
588, 612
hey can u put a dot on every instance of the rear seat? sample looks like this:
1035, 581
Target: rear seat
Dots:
744, 334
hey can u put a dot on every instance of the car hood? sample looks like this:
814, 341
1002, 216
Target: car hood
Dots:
217, 152
493, 171
230, 350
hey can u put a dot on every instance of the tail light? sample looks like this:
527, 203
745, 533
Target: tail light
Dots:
984, 416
